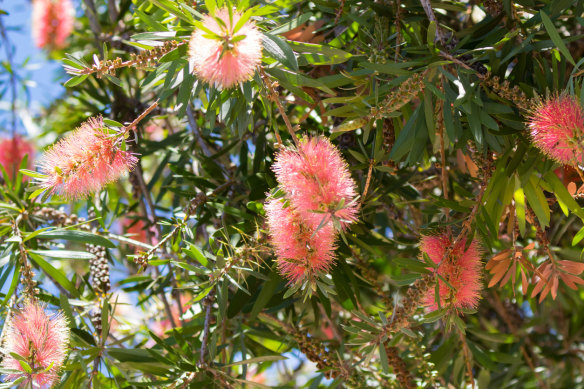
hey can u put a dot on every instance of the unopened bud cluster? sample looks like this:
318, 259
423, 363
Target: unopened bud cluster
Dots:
406, 92
504, 90
400, 369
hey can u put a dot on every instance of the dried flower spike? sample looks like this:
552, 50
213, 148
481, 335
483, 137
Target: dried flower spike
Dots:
40, 340
302, 253
52, 23
557, 129
222, 55
462, 271
85, 160
12, 151
317, 182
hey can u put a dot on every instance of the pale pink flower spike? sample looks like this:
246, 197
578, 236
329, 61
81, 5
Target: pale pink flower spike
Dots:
318, 182
302, 253
12, 151
463, 272
52, 23
557, 129
231, 59
84, 161
41, 340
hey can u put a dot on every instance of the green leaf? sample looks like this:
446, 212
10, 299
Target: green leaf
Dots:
266, 358
265, 295
279, 50
55, 274
315, 54
555, 37
77, 236
75, 80
190, 267
563, 195
33, 174
63, 254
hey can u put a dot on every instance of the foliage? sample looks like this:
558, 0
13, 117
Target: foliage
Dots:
168, 277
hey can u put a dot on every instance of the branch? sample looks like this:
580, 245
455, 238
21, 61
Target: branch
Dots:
207, 302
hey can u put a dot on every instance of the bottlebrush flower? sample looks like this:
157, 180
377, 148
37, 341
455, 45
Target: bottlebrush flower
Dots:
84, 161
317, 182
462, 271
11, 153
52, 23
41, 340
302, 253
231, 56
557, 129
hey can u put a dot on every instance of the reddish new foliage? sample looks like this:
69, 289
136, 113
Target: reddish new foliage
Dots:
318, 182
557, 127
302, 252
52, 22
41, 340
462, 271
231, 56
11, 153
84, 161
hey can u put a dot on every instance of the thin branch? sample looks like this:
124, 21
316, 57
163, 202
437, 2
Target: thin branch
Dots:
196, 132
133, 125
112, 10
207, 302
368, 181
440, 36
397, 23
275, 97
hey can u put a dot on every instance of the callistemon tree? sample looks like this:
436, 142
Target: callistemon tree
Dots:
343, 194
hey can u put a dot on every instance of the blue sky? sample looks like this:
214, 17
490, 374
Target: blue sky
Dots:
44, 77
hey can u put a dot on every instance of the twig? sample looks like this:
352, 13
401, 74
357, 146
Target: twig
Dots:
430, 14
467, 358
397, 23
110, 66
93, 22
500, 309
196, 132
112, 10
191, 208
275, 97
368, 181
133, 125
207, 302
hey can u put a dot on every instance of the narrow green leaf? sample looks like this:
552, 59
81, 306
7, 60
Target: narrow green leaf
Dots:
77, 236
555, 37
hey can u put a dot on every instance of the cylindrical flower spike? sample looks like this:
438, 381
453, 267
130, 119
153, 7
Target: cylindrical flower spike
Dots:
303, 252
52, 23
557, 129
222, 55
318, 182
85, 160
12, 151
462, 271
40, 340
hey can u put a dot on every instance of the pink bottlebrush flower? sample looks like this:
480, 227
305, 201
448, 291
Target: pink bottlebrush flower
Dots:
557, 128
85, 160
40, 339
11, 153
52, 23
462, 271
230, 57
317, 182
302, 253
